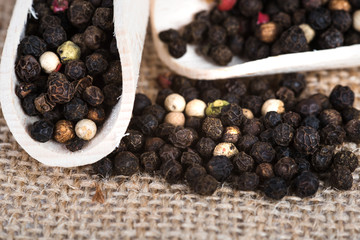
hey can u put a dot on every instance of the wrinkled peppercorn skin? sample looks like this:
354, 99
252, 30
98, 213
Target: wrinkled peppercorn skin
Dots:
220, 168
306, 140
306, 184
60, 90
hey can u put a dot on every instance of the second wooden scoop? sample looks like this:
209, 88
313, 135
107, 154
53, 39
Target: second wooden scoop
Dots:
175, 14
130, 20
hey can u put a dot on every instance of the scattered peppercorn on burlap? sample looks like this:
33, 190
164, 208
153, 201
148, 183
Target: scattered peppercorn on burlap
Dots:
55, 203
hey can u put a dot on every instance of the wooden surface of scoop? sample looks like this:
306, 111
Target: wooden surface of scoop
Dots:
130, 18
176, 14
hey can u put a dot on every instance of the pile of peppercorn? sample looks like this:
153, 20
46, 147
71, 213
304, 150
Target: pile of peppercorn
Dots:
68, 69
256, 134
255, 29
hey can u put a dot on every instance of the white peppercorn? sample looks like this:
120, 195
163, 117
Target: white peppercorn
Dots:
175, 103
175, 118
273, 105
85, 129
195, 108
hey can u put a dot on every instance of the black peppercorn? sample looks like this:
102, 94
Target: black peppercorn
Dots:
307, 107
267, 136
41, 130
265, 171
60, 90
190, 158
232, 115
182, 137
219, 167
27, 68
217, 16
252, 126
262, 152
141, 102
246, 142
206, 185
232, 25
332, 134
254, 103
189, 93
243, 162
322, 159
250, 8
54, 36
341, 178
205, 147
247, 181
221, 54
75, 110
295, 81
150, 161
103, 18
96, 63
28, 105
126, 163
272, 119
43, 103
213, 128
75, 144
236, 86
153, 144
210, 94
311, 121
217, 35
113, 74
352, 129
93, 96
342, 97
351, 38
169, 35
164, 129
306, 140
75, 70
286, 168
172, 171
293, 40
195, 31
288, 5
94, 37
275, 188
268, 94
255, 49
147, 124
193, 122
322, 100
303, 165
80, 13
341, 20
134, 140
168, 152
346, 159
24, 89
331, 38
306, 184
193, 173
349, 114
283, 134
177, 48
78, 39
282, 19
292, 118
319, 19
330, 116
258, 86
156, 110
104, 167
32, 45
287, 96
96, 114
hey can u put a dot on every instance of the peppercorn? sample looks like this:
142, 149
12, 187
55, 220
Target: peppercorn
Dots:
103, 167
189, 93
134, 140
94, 37
283, 134
307, 107
42, 9
248, 114
194, 173
349, 114
308, 32
252, 126
206, 185
336, 5
112, 93
81, 84
231, 25
272, 119
178, 82
164, 129
75, 69
210, 94
64, 131
96, 114
253, 103
78, 40
190, 158
54, 36
213, 109
75, 110
156, 110
153, 144
322, 100
246, 142
32, 45
255, 49
147, 124
306, 140
355, 3
60, 90
232, 115
267, 32
330, 116
169, 35
243, 162
217, 35
351, 38
286, 168
347, 159
306, 184
219, 167
225, 149
113, 74
319, 18
293, 40
322, 159
287, 96
126, 163
175, 118
294, 81
341, 178
221, 54
195, 31
24, 89
292, 118
93, 96
231, 134
247, 181
341, 97
141, 102
172, 171
85, 129
273, 105
250, 8
213, 128
195, 108
175, 103
283, 21
103, 18
69, 51
276, 48
41, 130
76, 144
150, 161
236, 86
303, 165
27, 68
352, 129
205, 147
217, 16
311, 4
311, 121
265, 171
182, 137
262, 152
28, 105
96, 63
168, 152
341, 20
43, 103
331, 38
177, 48
80, 13
275, 188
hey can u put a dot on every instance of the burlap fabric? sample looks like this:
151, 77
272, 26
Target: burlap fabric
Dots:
55, 203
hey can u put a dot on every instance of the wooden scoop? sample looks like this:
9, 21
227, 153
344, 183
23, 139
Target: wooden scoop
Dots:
130, 18
175, 14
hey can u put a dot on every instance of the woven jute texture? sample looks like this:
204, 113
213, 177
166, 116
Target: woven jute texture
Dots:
39, 202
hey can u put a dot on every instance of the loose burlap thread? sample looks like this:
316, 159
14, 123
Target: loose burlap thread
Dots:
40, 202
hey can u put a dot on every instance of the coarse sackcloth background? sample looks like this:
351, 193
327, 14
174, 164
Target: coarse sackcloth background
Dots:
39, 202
